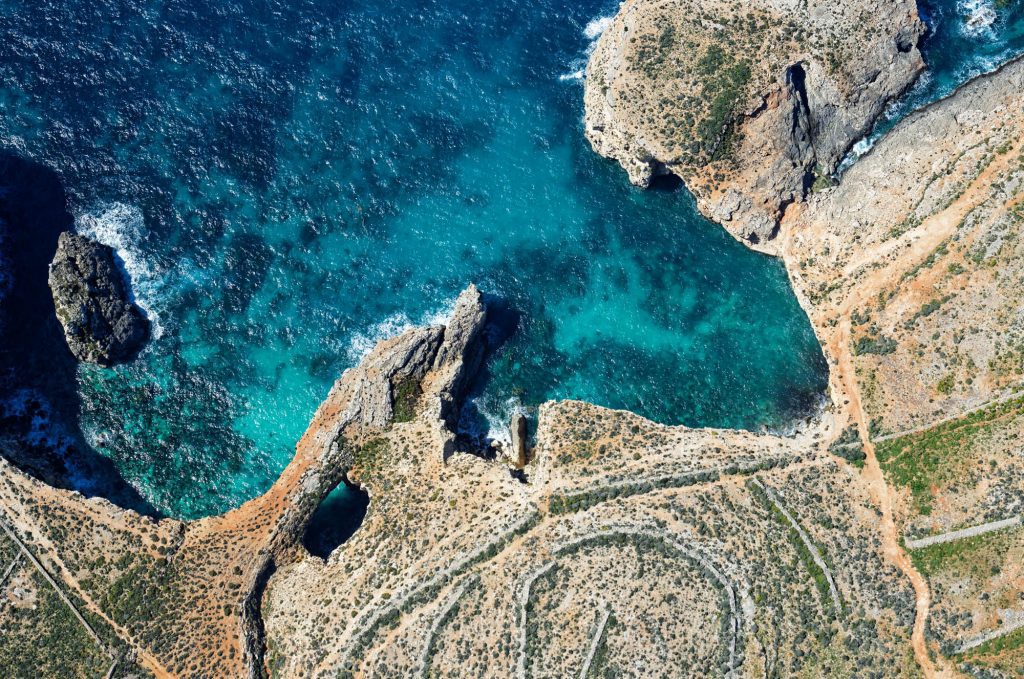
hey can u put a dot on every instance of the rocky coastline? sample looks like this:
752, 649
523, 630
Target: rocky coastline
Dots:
753, 107
624, 543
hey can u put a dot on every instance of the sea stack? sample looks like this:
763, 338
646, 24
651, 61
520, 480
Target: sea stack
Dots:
101, 323
518, 427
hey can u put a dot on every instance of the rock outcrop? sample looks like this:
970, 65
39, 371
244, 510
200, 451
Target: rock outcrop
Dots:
518, 428
461, 352
750, 106
440, 359
101, 322
372, 384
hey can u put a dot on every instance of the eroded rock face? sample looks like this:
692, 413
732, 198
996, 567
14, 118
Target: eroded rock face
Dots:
749, 104
101, 323
461, 352
518, 428
443, 359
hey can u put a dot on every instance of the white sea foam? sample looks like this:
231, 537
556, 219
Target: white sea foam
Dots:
499, 418
979, 15
363, 342
592, 31
572, 75
895, 110
595, 27
855, 153
122, 227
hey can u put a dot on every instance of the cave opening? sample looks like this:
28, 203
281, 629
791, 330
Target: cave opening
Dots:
338, 517
667, 182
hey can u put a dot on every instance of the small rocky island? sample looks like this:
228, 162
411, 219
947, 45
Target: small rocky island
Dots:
101, 322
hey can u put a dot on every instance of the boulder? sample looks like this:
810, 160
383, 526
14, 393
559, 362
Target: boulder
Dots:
102, 324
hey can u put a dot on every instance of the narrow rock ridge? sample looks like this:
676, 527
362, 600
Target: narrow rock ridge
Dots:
441, 359
361, 404
458, 359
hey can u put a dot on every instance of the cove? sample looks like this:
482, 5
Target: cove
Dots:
287, 182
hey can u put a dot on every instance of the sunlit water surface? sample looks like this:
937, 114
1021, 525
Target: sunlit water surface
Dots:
288, 182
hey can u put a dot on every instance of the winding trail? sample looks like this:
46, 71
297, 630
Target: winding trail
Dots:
879, 490
522, 601
912, 248
439, 620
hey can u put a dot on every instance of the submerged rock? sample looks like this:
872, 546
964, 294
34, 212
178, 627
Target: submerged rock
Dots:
101, 322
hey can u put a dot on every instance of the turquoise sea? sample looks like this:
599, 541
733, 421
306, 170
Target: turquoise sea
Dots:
288, 182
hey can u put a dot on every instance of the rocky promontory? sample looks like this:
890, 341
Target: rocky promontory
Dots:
753, 105
880, 539
101, 322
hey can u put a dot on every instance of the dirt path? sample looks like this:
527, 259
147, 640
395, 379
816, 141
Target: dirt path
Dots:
879, 490
147, 660
913, 248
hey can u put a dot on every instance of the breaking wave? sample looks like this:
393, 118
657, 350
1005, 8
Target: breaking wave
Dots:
123, 227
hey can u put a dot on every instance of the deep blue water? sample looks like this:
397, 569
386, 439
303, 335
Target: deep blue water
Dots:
289, 181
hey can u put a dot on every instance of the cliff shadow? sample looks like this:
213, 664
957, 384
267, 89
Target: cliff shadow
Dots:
503, 321
39, 400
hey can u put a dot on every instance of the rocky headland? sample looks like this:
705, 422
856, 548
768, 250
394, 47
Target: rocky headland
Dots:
101, 321
752, 105
881, 539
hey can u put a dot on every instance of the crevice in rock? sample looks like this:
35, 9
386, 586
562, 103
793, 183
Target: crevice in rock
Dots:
471, 430
254, 635
783, 206
796, 76
803, 137
906, 41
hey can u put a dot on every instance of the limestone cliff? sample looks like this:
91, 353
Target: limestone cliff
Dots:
750, 104
626, 547
184, 599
